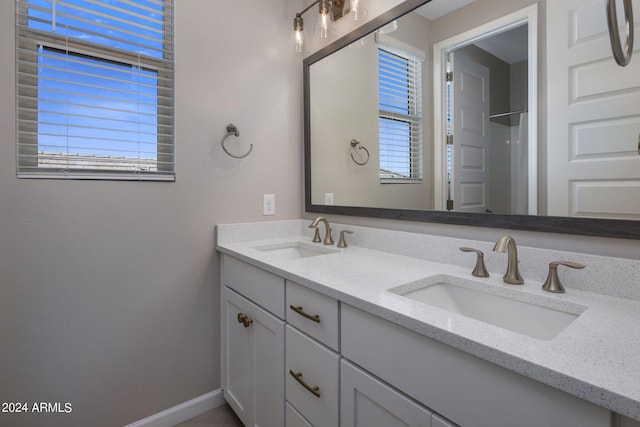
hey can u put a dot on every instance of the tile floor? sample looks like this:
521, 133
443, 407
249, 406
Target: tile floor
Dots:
219, 417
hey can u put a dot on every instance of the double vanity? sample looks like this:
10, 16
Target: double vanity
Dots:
395, 330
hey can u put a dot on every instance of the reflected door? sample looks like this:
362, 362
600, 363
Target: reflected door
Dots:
593, 126
470, 96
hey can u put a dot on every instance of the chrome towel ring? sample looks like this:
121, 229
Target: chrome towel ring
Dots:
356, 143
622, 56
233, 130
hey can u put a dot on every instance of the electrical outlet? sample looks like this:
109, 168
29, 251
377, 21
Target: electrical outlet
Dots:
328, 199
268, 204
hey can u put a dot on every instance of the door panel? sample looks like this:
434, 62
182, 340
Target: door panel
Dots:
593, 124
470, 132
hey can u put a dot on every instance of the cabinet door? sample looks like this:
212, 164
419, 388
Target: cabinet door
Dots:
368, 402
438, 421
294, 419
465, 389
253, 362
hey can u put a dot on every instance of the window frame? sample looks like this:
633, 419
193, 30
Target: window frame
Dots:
30, 40
413, 117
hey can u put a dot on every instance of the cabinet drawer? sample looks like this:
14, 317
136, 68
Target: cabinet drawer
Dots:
465, 389
261, 287
312, 368
294, 419
313, 313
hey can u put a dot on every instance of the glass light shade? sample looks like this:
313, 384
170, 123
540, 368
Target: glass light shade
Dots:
299, 40
324, 28
298, 33
357, 10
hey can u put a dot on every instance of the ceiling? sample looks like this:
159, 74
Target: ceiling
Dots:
510, 46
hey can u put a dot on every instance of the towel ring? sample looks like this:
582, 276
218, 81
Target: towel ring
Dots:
356, 143
233, 130
622, 56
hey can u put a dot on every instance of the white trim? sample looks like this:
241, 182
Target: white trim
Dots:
182, 412
528, 15
393, 43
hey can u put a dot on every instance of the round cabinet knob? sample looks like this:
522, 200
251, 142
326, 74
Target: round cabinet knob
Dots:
245, 320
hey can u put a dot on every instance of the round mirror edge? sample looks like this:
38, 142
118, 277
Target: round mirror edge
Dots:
597, 227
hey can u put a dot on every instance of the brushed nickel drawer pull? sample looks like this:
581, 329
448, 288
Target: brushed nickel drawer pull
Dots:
300, 311
298, 377
245, 320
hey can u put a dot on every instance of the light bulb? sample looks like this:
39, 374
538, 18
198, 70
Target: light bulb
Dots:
298, 33
299, 41
324, 22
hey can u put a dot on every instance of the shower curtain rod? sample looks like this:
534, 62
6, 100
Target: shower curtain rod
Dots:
507, 114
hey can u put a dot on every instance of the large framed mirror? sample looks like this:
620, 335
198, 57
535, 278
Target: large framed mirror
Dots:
443, 111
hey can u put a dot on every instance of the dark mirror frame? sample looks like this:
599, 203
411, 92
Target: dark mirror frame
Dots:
627, 229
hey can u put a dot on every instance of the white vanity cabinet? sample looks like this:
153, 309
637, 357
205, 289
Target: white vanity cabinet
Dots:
253, 343
467, 390
294, 357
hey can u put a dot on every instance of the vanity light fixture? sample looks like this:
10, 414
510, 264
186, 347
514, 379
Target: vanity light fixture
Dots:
328, 11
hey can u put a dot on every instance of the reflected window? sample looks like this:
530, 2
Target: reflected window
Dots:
400, 115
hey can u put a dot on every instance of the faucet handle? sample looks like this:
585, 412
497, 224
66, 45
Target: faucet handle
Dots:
328, 239
342, 243
316, 236
480, 270
553, 284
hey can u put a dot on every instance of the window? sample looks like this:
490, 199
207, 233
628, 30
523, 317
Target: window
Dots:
400, 115
94, 89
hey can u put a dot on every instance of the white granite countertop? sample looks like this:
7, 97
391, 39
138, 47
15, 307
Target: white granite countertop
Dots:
596, 357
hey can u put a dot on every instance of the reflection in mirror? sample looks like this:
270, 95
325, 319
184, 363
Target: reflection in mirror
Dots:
486, 110
385, 89
378, 90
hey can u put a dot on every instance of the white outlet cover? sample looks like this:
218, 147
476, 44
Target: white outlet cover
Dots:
268, 204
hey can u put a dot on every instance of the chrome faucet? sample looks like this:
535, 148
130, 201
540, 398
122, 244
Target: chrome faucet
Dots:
508, 244
328, 240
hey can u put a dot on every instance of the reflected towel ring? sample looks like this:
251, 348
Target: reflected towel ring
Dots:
622, 57
356, 143
232, 130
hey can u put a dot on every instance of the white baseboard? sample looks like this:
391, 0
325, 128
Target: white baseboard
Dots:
182, 412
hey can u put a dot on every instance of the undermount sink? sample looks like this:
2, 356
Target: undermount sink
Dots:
295, 250
458, 296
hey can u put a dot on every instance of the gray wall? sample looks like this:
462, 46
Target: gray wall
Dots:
109, 290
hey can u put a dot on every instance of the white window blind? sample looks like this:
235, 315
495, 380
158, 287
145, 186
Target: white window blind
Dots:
400, 115
94, 89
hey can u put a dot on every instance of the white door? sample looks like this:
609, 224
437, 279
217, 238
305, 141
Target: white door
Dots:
593, 121
470, 95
